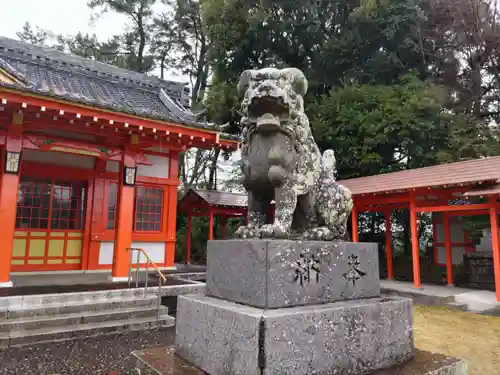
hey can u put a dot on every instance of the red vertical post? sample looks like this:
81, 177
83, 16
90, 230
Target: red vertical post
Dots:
188, 239
414, 243
210, 224
388, 244
223, 227
170, 210
8, 205
354, 219
124, 222
496, 244
447, 246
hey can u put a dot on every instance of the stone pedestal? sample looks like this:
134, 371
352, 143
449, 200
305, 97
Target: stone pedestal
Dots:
274, 274
279, 307
347, 337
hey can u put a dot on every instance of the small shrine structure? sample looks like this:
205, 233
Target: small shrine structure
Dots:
89, 162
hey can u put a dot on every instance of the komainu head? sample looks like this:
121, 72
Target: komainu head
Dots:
272, 97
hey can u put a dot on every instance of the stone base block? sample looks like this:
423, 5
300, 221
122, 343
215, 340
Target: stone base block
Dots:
346, 337
286, 273
162, 360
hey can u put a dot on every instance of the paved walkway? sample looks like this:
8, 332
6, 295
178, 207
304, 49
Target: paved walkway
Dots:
473, 300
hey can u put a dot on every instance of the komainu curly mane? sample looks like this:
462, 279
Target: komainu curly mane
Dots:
281, 162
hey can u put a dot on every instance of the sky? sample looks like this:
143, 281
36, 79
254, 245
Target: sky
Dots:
66, 17
59, 16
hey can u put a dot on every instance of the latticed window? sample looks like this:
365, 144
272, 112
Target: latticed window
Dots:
49, 204
147, 209
112, 198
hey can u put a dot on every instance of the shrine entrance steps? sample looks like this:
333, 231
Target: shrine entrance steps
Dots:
26, 320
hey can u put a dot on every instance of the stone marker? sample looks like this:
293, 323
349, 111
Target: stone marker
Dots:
272, 274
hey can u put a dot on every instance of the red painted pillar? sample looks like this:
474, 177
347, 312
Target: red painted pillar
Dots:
223, 227
447, 246
170, 211
210, 225
354, 219
388, 244
188, 239
8, 206
414, 243
124, 221
496, 245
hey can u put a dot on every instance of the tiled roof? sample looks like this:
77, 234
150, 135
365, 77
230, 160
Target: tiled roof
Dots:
490, 190
222, 198
49, 72
464, 172
217, 198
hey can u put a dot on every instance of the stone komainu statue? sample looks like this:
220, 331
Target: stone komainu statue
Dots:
281, 162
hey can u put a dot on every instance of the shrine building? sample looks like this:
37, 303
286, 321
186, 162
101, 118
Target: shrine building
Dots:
89, 162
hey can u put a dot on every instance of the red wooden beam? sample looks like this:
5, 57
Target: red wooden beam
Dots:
466, 207
496, 245
388, 244
447, 246
211, 136
415, 248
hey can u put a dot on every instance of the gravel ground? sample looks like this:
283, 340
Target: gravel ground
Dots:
104, 355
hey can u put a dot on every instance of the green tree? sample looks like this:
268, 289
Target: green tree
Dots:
136, 41
385, 128
36, 36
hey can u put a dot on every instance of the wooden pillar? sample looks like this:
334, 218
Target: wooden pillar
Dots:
188, 238
414, 243
124, 221
210, 224
170, 209
447, 246
388, 244
8, 206
223, 227
354, 219
496, 244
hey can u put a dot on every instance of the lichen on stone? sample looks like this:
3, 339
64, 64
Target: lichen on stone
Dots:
282, 162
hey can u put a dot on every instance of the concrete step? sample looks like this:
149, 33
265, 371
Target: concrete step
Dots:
419, 297
57, 309
35, 322
70, 332
77, 297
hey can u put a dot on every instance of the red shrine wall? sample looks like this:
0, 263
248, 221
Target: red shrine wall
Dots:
66, 211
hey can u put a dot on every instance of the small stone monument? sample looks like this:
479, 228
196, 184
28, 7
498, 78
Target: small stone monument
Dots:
290, 296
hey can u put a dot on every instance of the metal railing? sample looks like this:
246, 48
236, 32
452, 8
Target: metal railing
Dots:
161, 277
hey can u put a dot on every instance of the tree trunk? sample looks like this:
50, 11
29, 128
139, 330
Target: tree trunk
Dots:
212, 177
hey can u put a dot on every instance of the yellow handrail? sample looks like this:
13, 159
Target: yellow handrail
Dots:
150, 261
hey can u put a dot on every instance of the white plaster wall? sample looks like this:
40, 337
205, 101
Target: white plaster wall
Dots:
158, 169
112, 166
456, 231
155, 250
59, 158
457, 254
456, 235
